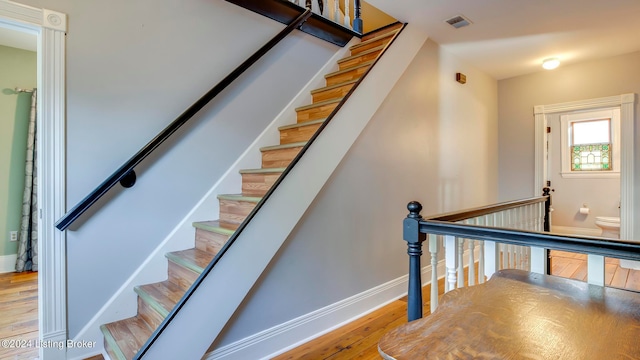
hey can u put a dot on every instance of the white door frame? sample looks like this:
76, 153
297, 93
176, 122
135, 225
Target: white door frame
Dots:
626, 102
50, 27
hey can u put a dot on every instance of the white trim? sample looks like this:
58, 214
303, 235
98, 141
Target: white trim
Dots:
293, 333
8, 263
626, 102
540, 140
51, 27
591, 175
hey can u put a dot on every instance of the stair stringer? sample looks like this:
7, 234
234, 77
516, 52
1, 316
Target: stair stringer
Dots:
153, 269
205, 314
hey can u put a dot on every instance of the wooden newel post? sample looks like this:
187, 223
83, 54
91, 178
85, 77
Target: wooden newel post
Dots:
357, 18
547, 209
414, 239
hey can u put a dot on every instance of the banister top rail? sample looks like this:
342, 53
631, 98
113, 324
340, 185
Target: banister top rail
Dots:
620, 249
485, 210
126, 171
163, 325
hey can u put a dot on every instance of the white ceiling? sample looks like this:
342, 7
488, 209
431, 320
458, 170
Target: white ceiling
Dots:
507, 37
511, 37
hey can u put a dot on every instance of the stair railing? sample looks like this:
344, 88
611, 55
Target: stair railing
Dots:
507, 235
330, 9
232, 239
125, 174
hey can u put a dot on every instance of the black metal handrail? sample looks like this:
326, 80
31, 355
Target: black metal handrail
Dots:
416, 228
232, 239
126, 175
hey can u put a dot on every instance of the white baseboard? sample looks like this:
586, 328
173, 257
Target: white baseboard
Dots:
291, 334
8, 263
568, 230
286, 336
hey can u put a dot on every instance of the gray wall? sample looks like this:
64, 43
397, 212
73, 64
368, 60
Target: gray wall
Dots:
350, 239
133, 67
517, 97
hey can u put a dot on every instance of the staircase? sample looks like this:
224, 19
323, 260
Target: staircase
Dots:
123, 338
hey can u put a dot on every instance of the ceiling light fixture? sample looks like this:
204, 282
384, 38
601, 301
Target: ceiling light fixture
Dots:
551, 63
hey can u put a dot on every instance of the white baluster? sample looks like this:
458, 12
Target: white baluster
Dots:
539, 260
460, 263
481, 273
507, 254
446, 274
472, 263
336, 10
540, 221
451, 255
433, 249
595, 269
492, 258
347, 18
481, 221
471, 279
541, 213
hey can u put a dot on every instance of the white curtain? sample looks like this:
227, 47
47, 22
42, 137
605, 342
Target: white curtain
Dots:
28, 239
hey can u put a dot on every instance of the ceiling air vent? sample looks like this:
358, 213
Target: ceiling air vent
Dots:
458, 21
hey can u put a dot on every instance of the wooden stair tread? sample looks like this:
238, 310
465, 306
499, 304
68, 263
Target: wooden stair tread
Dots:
368, 63
302, 124
290, 145
213, 226
262, 171
161, 296
126, 337
320, 103
192, 259
377, 38
239, 197
366, 52
335, 86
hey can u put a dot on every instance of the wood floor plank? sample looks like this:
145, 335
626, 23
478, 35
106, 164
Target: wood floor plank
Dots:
326, 346
633, 281
19, 313
619, 279
342, 344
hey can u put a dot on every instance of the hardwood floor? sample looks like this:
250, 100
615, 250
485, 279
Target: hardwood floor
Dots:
574, 266
19, 319
356, 340
359, 339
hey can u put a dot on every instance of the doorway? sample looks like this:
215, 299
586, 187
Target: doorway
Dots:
626, 104
18, 73
50, 29
583, 154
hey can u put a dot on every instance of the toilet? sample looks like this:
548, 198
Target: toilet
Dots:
611, 229
610, 226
